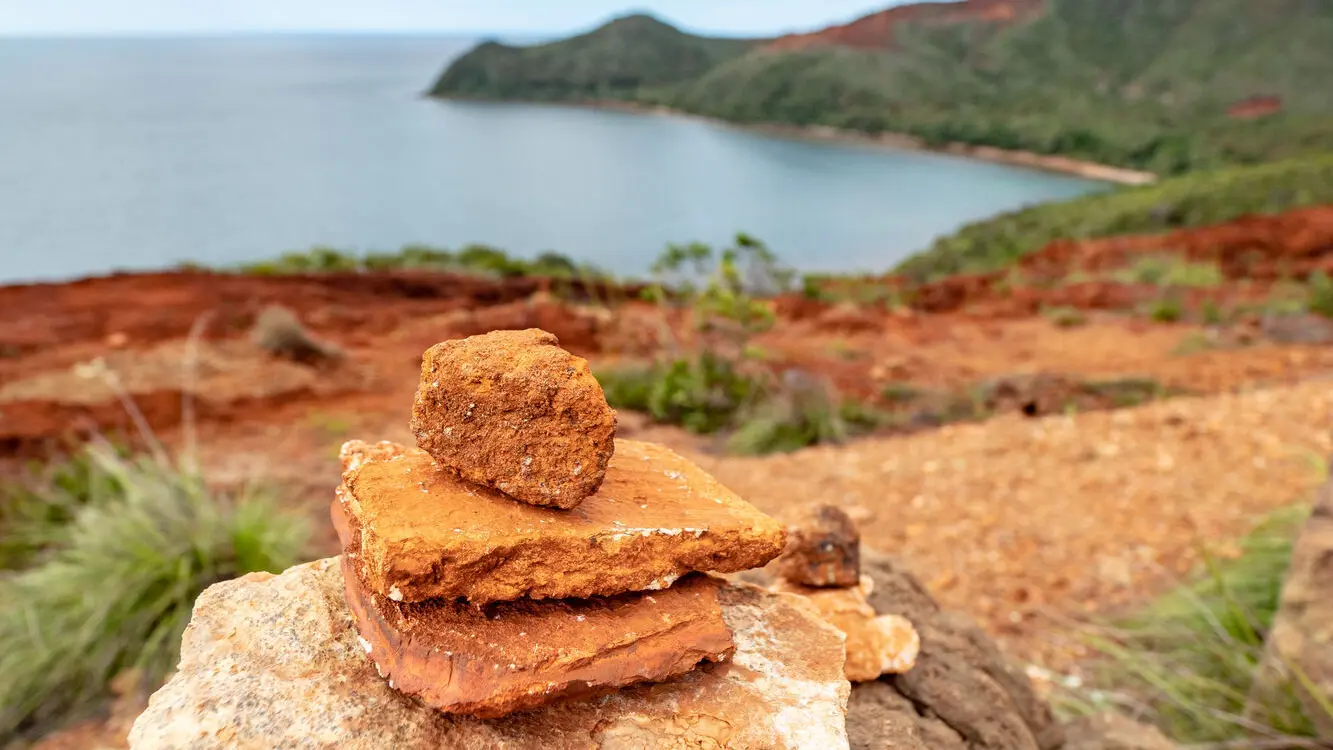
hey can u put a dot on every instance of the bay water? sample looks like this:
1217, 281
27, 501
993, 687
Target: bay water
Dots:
142, 153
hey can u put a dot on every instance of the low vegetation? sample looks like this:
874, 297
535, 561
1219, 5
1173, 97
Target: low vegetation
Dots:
1189, 662
721, 382
1166, 309
1065, 317
1169, 271
1189, 201
479, 260
102, 559
1320, 301
703, 394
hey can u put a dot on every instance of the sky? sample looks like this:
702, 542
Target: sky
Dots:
61, 17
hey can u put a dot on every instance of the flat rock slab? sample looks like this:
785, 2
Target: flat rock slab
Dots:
420, 533
514, 411
275, 662
522, 655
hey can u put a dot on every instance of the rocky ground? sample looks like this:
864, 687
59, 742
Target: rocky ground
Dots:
1028, 523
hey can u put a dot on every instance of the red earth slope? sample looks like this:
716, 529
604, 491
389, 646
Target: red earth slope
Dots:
876, 31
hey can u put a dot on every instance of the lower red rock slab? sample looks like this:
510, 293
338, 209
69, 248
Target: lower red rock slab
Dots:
520, 655
516, 656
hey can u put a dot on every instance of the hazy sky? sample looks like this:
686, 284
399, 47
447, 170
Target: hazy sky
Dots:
23, 17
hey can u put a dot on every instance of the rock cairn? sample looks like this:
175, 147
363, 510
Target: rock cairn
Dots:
520, 555
822, 563
495, 580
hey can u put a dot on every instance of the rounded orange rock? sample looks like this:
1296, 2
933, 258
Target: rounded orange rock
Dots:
514, 411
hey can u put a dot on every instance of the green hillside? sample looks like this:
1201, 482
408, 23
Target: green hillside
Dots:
1136, 83
1186, 201
614, 61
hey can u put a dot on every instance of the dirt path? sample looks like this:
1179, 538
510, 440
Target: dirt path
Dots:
1025, 521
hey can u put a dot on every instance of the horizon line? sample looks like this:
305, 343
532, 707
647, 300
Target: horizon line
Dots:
386, 31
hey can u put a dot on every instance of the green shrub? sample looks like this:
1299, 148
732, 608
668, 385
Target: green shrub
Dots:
628, 387
116, 576
1065, 317
1193, 343
702, 394
790, 420
1321, 295
1188, 661
725, 385
899, 393
1166, 270
861, 417
1210, 313
1129, 391
962, 406
1166, 309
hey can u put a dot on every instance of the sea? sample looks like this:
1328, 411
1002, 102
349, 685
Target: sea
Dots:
144, 153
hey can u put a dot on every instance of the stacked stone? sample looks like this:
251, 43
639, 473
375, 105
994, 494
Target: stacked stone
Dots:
521, 555
822, 562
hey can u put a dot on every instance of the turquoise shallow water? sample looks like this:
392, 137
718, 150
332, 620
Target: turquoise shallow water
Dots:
124, 153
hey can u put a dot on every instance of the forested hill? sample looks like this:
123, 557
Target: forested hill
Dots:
1163, 85
618, 60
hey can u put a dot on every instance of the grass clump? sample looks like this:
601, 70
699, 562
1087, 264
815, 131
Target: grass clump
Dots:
1166, 309
1065, 317
1194, 343
36, 510
899, 393
1130, 391
789, 422
1188, 662
106, 583
1165, 270
804, 412
1320, 301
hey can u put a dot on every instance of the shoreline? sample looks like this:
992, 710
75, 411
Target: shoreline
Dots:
829, 134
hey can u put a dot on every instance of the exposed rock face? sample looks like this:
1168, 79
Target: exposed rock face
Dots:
1302, 632
876, 644
655, 518
961, 686
1114, 732
514, 411
823, 548
274, 662
520, 655
278, 331
880, 718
